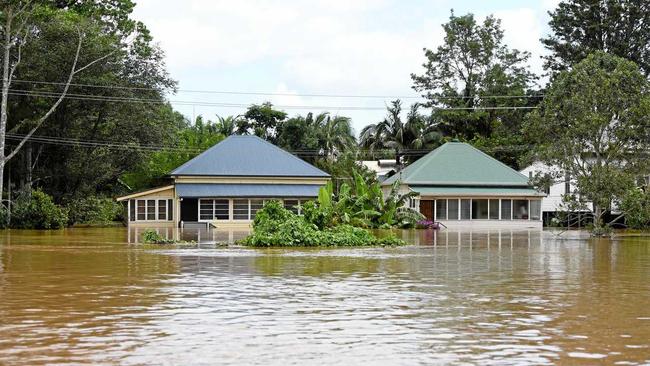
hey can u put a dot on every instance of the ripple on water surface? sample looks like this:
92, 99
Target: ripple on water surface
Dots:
486, 297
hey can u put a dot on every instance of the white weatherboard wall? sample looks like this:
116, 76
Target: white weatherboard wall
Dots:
553, 201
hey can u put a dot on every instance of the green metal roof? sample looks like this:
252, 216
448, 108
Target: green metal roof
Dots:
459, 164
476, 191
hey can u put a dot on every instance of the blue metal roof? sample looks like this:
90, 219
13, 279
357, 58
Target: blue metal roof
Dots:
198, 190
247, 156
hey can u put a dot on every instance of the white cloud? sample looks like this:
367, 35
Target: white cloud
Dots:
316, 46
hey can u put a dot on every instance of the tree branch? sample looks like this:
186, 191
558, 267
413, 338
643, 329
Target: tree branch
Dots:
74, 70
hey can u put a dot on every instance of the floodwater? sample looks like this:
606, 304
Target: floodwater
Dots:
86, 296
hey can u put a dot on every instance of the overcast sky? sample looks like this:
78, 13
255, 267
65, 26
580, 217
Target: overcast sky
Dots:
343, 47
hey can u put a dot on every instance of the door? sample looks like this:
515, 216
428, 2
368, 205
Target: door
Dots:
426, 208
190, 209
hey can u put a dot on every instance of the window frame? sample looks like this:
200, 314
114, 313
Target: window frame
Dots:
168, 211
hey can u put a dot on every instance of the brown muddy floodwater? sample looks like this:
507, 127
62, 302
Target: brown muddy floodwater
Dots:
85, 296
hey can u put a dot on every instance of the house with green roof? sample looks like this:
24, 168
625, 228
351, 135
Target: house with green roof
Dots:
460, 186
226, 185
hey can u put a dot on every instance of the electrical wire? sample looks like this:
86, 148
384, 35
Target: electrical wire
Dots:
319, 95
93, 97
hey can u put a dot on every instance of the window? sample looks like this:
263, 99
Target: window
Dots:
465, 209
151, 210
292, 205
535, 209
520, 209
506, 209
170, 210
142, 210
206, 209
441, 209
214, 209
162, 209
256, 205
479, 209
240, 210
452, 209
494, 209
222, 209
413, 203
132, 210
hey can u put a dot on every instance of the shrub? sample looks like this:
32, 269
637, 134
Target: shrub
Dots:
636, 205
276, 226
150, 236
94, 210
37, 211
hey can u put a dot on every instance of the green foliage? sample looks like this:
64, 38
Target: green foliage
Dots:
471, 65
594, 124
275, 226
195, 138
93, 210
636, 206
580, 27
37, 211
261, 120
150, 236
361, 204
415, 133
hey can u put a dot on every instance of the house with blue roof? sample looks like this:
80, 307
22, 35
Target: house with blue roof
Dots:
460, 186
226, 185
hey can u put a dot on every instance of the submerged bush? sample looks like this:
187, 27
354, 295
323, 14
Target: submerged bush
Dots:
37, 211
276, 226
94, 210
151, 236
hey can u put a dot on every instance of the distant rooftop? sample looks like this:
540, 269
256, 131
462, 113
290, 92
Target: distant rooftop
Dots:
459, 164
247, 156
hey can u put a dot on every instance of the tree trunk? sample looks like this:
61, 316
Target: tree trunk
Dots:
5, 95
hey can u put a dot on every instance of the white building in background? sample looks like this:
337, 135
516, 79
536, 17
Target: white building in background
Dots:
383, 168
552, 203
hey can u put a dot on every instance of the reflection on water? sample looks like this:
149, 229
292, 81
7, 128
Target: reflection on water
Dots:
205, 236
85, 296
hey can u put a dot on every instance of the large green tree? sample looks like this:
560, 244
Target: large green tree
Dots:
261, 120
124, 64
579, 27
594, 124
401, 136
464, 74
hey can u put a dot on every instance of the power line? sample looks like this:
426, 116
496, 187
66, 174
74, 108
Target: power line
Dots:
102, 98
319, 95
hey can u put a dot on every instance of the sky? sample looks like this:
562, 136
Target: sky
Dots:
334, 47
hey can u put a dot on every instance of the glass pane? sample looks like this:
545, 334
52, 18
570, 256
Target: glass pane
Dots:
162, 209
291, 205
506, 209
479, 209
240, 209
441, 209
142, 210
206, 209
465, 209
452, 207
535, 209
494, 209
256, 205
520, 209
222, 209
151, 209
131, 210
170, 210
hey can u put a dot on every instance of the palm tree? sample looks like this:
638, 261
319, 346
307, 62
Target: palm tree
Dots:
226, 125
392, 133
336, 134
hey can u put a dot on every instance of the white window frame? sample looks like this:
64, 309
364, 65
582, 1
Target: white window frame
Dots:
157, 200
